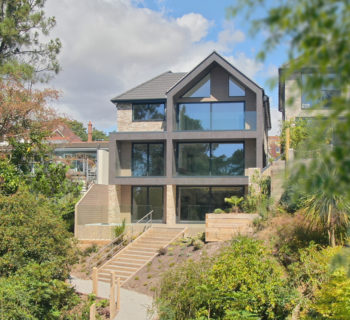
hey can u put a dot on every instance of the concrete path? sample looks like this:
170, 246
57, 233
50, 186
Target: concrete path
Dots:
133, 305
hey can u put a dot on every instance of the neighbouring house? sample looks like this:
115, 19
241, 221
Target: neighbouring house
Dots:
294, 102
274, 146
87, 160
185, 141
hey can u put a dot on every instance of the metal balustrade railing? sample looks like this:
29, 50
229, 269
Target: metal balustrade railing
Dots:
112, 248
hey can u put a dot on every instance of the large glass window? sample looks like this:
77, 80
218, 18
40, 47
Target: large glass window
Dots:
145, 199
324, 96
200, 90
148, 112
211, 116
148, 159
235, 90
210, 159
194, 202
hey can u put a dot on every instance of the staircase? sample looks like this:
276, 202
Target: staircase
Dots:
137, 254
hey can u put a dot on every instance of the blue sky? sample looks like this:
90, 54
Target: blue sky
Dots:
110, 46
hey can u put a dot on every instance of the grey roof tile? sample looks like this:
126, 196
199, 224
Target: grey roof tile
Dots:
155, 88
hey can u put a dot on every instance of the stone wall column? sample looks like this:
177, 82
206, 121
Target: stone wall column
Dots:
170, 210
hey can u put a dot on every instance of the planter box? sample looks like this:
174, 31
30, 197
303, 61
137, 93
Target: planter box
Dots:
224, 226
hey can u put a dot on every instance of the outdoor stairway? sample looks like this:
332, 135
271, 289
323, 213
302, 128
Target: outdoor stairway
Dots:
138, 253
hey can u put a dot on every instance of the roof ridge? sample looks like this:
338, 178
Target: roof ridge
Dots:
225, 60
141, 84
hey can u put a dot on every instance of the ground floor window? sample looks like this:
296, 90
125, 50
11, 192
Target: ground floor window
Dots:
194, 202
147, 198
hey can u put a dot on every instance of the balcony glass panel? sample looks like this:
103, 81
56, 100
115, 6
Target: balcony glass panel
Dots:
193, 159
215, 116
227, 159
210, 159
194, 116
227, 116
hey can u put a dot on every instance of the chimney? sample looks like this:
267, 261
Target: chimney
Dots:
89, 132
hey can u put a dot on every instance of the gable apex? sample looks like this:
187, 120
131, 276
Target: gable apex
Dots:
205, 64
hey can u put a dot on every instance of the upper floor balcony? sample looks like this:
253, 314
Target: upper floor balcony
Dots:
215, 116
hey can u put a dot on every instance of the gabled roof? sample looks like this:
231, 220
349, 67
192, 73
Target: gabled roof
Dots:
154, 89
214, 57
63, 134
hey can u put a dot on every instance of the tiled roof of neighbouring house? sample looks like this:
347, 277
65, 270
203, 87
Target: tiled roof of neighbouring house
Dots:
153, 89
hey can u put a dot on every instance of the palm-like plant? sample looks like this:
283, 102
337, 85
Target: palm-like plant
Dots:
234, 201
324, 205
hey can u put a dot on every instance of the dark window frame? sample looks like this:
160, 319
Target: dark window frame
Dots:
236, 82
148, 187
211, 112
147, 143
148, 103
183, 96
178, 213
210, 155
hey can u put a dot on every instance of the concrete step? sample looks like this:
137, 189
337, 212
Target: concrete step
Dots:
126, 263
141, 252
142, 248
133, 256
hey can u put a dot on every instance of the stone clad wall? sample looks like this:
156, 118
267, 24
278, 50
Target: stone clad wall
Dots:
125, 123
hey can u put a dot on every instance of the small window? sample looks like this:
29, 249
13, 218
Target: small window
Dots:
200, 90
148, 112
235, 90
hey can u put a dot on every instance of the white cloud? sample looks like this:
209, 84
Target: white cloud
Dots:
112, 46
195, 24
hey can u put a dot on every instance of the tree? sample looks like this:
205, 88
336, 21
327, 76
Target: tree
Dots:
23, 26
23, 110
78, 128
98, 135
298, 131
81, 131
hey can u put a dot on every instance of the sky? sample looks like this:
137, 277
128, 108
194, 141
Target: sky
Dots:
110, 46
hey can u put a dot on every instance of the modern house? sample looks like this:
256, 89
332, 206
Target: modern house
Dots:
294, 101
186, 141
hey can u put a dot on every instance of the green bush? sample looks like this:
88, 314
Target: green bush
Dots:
30, 232
243, 282
332, 300
9, 177
33, 292
119, 230
311, 271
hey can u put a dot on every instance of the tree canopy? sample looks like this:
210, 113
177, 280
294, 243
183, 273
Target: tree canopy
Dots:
24, 44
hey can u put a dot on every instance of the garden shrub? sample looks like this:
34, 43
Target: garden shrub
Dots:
291, 233
31, 232
311, 271
179, 296
243, 282
332, 300
34, 293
